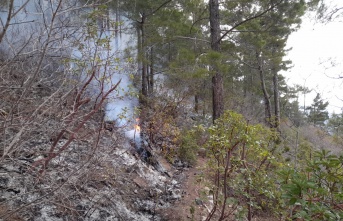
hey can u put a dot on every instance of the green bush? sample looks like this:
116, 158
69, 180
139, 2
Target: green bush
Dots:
189, 145
315, 191
242, 164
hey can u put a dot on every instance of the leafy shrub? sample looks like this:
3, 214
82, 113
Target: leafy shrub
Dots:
189, 145
241, 165
315, 192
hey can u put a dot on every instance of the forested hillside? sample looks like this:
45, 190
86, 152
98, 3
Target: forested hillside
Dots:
162, 110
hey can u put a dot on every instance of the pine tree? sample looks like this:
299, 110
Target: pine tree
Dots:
317, 111
142, 14
335, 124
263, 46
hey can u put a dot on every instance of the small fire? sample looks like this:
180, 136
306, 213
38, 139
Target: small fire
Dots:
137, 127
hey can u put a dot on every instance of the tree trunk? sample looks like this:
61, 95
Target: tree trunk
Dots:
276, 100
144, 89
116, 27
196, 103
151, 73
268, 113
217, 96
217, 79
139, 53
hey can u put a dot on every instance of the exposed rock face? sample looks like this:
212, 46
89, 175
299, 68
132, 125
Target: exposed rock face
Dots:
92, 180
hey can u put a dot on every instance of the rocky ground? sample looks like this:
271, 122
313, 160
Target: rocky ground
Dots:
94, 179
192, 205
102, 178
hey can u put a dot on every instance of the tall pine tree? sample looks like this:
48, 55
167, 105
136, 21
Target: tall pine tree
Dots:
317, 111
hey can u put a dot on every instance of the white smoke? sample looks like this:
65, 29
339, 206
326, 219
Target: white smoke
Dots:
121, 106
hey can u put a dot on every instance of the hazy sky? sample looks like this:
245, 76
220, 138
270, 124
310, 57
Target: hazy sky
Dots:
317, 56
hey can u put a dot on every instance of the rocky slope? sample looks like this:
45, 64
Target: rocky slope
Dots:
93, 179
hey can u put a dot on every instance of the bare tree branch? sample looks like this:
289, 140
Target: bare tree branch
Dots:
10, 16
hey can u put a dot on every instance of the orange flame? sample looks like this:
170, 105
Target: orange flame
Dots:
137, 127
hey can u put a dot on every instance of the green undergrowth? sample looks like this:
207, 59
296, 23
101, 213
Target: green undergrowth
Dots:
248, 174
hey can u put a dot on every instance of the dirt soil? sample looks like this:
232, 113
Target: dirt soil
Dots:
191, 187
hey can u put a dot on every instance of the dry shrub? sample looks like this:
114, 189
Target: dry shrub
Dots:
52, 144
159, 122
